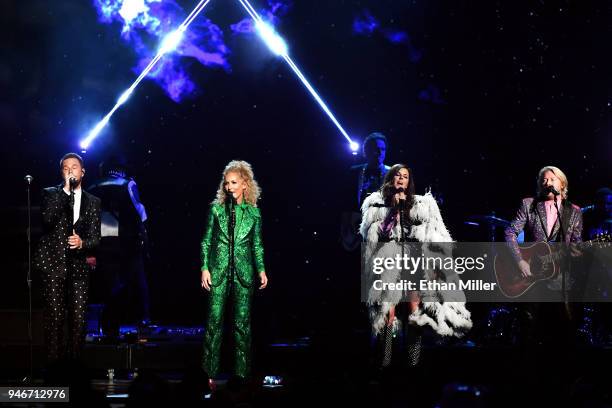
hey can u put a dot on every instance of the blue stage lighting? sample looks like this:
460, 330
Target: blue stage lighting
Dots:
279, 47
274, 41
171, 41
124, 96
169, 44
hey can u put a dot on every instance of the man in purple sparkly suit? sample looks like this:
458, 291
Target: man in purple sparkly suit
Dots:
71, 229
548, 217
541, 220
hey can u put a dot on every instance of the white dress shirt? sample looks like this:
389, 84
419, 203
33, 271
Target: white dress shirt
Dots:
77, 203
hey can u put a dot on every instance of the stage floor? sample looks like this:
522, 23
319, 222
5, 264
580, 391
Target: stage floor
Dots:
331, 367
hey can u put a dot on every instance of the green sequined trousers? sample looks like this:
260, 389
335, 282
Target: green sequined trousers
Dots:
241, 327
248, 261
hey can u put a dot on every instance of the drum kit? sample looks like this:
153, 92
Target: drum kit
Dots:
490, 223
500, 323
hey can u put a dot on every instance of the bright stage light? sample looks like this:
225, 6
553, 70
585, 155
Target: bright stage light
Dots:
94, 132
169, 44
275, 42
171, 41
124, 96
130, 9
279, 47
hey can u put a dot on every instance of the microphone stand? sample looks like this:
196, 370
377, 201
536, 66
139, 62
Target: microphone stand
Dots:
563, 272
30, 378
231, 227
401, 205
71, 184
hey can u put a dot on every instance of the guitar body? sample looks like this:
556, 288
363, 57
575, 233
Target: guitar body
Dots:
509, 278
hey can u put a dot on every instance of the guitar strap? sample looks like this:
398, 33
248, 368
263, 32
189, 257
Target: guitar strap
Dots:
566, 216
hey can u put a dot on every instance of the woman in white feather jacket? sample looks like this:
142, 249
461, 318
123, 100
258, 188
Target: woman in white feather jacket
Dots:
422, 222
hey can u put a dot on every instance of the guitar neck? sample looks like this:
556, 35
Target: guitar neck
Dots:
556, 255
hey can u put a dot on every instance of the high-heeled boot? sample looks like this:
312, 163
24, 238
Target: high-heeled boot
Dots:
414, 339
387, 345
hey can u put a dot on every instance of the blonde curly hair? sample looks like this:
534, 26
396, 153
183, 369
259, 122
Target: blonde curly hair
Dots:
245, 171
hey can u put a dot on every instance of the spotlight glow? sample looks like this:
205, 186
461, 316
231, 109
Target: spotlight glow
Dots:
124, 96
274, 41
171, 41
169, 44
94, 133
316, 96
132, 8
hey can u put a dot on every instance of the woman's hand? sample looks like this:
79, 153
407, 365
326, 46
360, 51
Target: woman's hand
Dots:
206, 279
399, 196
264, 279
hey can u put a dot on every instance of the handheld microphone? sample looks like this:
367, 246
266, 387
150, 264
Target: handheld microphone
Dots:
28, 179
553, 190
400, 190
73, 182
230, 199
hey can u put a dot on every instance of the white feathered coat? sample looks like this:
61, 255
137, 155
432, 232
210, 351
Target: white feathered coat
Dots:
447, 316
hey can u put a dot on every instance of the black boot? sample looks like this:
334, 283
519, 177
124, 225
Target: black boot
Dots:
386, 337
414, 339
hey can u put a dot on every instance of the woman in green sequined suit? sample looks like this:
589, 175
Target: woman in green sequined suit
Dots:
220, 278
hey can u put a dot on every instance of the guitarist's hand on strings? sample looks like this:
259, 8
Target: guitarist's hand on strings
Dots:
525, 269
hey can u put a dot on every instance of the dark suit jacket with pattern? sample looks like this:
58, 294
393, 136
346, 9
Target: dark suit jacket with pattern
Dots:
531, 218
53, 256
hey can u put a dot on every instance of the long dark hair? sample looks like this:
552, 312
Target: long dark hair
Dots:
387, 190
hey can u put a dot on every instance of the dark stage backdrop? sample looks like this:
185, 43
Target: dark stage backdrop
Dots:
476, 98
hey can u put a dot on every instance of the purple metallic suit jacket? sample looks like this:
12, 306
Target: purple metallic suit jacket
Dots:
531, 218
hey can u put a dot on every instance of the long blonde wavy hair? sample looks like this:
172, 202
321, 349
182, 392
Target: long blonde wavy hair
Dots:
245, 171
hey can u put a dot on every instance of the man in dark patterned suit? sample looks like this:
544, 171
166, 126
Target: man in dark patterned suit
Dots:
548, 217
71, 229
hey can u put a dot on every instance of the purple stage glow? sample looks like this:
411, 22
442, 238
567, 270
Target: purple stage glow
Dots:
271, 15
143, 19
432, 94
128, 11
145, 23
365, 23
397, 37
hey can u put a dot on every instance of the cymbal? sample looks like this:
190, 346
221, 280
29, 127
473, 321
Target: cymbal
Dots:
488, 219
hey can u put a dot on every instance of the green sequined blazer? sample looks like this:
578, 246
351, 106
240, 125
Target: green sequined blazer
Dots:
248, 248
